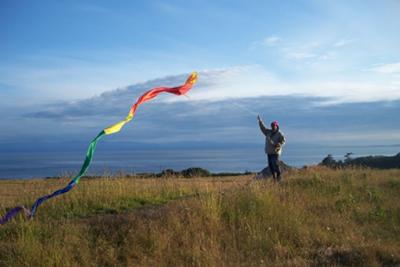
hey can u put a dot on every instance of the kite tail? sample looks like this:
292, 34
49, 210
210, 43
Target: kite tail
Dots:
30, 213
179, 90
13, 212
75, 180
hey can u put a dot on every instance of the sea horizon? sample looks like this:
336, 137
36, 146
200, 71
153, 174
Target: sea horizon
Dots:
42, 164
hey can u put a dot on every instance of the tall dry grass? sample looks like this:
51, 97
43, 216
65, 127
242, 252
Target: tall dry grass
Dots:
316, 217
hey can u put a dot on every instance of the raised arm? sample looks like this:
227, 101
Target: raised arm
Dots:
263, 129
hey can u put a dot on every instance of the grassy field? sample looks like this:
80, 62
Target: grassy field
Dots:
317, 217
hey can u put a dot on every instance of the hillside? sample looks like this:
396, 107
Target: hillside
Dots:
317, 216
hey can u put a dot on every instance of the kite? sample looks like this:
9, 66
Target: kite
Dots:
115, 128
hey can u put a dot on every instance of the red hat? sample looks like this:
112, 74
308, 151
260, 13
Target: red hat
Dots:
275, 123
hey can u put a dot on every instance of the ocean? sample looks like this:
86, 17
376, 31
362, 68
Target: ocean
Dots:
25, 165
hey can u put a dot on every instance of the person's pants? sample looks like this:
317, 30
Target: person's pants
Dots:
273, 165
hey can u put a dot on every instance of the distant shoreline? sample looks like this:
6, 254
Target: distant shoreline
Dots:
186, 173
212, 163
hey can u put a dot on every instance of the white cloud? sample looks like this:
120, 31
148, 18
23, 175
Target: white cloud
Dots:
309, 51
312, 51
387, 68
300, 55
342, 42
226, 98
254, 81
64, 77
169, 8
238, 82
356, 136
272, 41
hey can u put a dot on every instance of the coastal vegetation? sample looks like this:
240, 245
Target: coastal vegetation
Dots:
317, 216
376, 162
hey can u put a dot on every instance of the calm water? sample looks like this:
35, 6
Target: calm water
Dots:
43, 164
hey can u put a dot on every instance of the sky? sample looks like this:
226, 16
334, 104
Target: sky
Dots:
328, 70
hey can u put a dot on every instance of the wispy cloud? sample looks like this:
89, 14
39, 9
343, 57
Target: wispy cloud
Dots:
169, 8
272, 41
256, 81
387, 68
227, 84
342, 42
70, 75
225, 120
310, 51
97, 9
300, 55
222, 107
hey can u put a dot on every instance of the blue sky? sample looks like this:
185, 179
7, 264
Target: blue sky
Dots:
60, 60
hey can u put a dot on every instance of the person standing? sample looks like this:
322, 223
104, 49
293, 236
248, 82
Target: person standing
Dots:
274, 141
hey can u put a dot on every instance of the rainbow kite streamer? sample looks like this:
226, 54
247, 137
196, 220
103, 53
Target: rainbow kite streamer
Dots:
179, 90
